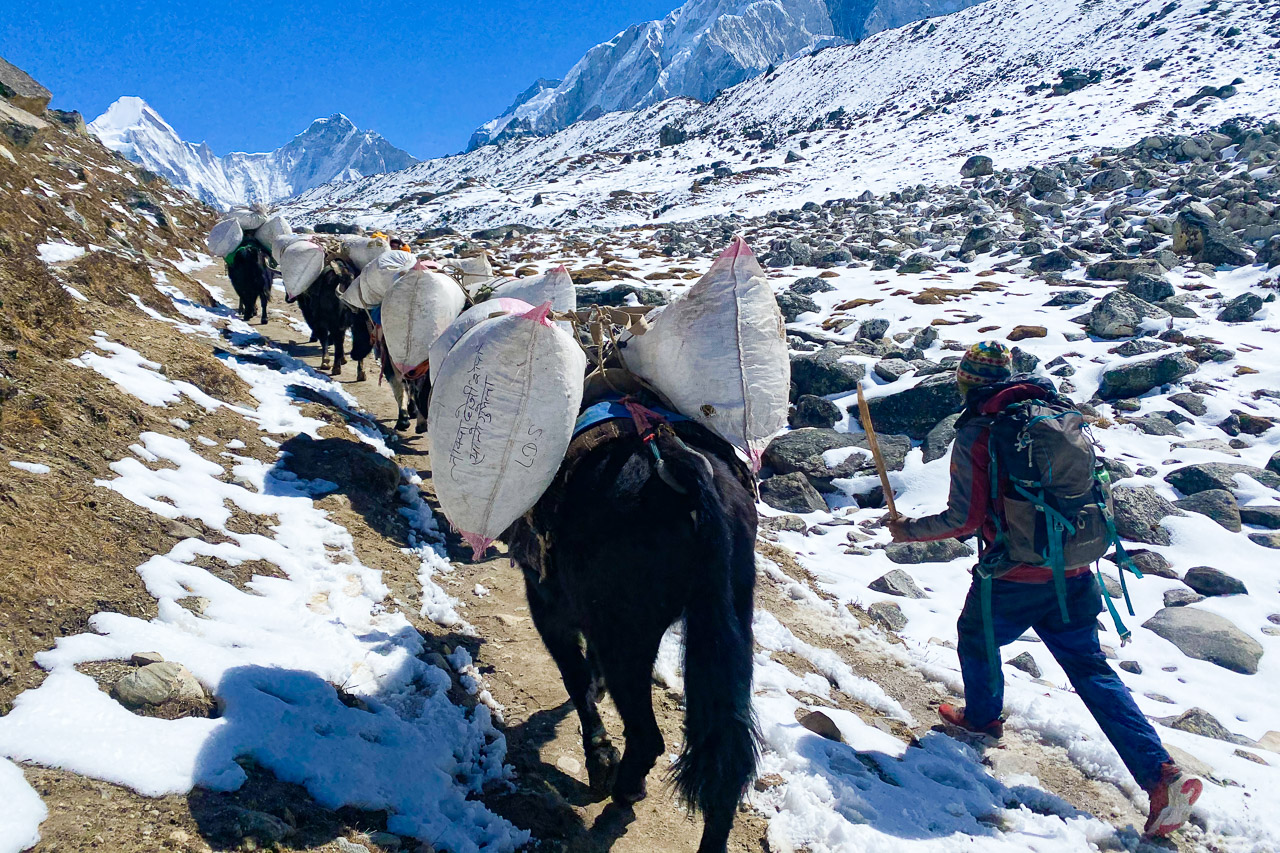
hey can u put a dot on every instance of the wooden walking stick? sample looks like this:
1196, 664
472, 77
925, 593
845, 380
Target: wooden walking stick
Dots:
870, 429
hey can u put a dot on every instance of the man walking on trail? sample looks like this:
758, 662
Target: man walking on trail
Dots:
1062, 605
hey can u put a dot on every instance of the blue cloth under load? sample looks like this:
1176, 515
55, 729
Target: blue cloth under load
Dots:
612, 409
375, 314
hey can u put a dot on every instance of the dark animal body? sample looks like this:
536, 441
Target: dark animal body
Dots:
412, 393
615, 552
330, 318
250, 273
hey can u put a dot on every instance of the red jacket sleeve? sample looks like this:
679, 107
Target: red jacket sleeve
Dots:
970, 496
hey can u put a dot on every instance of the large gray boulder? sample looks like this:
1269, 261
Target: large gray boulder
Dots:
897, 582
937, 443
1120, 313
1125, 270
801, 451
1218, 504
941, 551
1196, 232
791, 493
916, 410
826, 372
977, 166
1209, 581
1207, 636
1201, 476
1138, 513
1137, 378
1241, 309
811, 411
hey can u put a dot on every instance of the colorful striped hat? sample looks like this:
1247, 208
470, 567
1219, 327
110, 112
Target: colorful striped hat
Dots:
986, 363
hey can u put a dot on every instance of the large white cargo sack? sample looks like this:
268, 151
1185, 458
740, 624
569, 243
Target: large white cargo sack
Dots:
475, 272
467, 319
284, 241
501, 416
363, 250
371, 286
276, 226
300, 265
249, 218
555, 287
225, 237
419, 306
719, 353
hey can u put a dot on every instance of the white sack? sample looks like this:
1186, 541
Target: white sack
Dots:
469, 318
225, 237
276, 226
300, 265
419, 306
719, 353
501, 416
475, 272
371, 286
555, 287
363, 250
284, 241
249, 219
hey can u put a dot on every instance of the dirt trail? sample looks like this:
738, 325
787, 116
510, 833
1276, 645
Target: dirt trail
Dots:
551, 795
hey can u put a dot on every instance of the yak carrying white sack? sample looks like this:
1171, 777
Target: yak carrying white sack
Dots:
300, 265
469, 318
474, 271
249, 218
363, 250
284, 241
418, 307
267, 233
502, 410
225, 238
719, 353
555, 287
370, 288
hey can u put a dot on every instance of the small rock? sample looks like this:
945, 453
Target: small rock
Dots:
1138, 513
977, 166
1198, 721
889, 615
1270, 539
1065, 298
822, 725
1134, 379
826, 372
1261, 516
156, 684
916, 410
144, 658
570, 766
892, 369
937, 443
1210, 582
811, 285
1131, 666
1201, 476
897, 582
1021, 333
811, 411
1119, 315
1193, 403
267, 829
1026, 663
1181, 597
1249, 756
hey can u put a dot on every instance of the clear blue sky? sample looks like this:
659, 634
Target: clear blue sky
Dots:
247, 76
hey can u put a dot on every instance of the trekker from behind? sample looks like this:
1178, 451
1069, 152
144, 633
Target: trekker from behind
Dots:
1024, 477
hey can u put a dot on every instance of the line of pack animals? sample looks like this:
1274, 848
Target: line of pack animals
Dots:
614, 451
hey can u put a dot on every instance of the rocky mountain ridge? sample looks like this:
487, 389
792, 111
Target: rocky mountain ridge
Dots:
331, 149
698, 50
1020, 81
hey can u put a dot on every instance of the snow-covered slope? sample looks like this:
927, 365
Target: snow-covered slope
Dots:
330, 149
696, 51
902, 107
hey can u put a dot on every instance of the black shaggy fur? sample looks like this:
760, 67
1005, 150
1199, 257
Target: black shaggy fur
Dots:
328, 317
629, 555
250, 275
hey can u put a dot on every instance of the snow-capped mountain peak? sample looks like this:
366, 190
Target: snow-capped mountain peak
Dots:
329, 149
698, 50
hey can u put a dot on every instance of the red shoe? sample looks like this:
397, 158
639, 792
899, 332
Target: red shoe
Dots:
953, 716
1171, 801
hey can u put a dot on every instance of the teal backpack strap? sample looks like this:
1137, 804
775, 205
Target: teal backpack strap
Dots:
1057, 528
1125, 634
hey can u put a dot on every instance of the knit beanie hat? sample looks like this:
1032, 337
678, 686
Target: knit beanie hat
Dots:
986, 363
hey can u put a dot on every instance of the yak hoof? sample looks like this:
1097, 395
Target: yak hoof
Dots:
420, 428
602, 768
402, 423
627, 795
360, 377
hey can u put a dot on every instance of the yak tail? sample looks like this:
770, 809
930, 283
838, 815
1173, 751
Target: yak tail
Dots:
721, 742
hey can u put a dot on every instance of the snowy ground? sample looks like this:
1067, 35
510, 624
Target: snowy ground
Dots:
271, 653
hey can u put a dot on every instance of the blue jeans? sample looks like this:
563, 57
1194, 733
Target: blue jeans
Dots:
1019, 606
